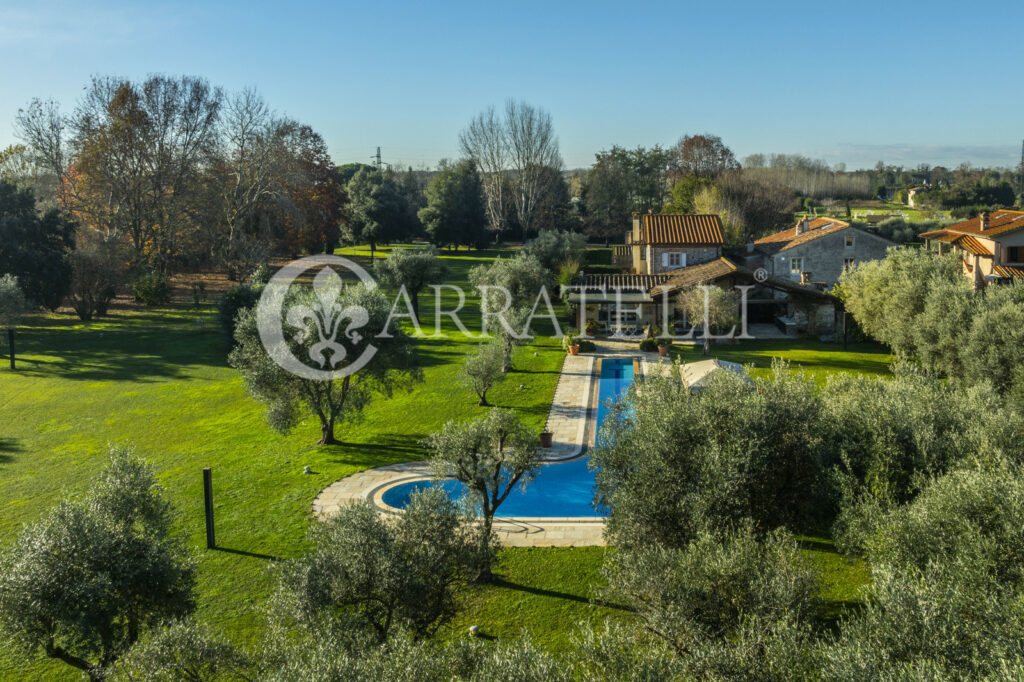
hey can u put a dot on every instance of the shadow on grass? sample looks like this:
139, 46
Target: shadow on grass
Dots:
8, 445
554, 594
242, 552
388, 449
87, 355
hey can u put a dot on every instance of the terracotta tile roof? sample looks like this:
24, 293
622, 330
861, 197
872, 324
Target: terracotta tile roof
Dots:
787, 239
972, 245
790, 234
690, 229
1009, 271
967, 242
940, 236
999, 222
639, 283
687, 277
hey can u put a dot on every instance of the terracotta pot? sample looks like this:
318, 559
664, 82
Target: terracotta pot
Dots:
545, 439
663, 351
574, 350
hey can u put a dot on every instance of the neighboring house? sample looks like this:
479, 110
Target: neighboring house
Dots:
991, 246
632, 302
662, 243
815, 252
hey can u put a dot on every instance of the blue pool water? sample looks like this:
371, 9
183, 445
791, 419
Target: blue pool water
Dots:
565, 489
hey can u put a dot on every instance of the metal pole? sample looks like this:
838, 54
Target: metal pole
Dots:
208, 500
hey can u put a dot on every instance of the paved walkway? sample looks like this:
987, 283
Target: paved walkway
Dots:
567, 420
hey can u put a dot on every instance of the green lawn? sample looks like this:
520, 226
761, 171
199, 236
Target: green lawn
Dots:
158, 380
816, 358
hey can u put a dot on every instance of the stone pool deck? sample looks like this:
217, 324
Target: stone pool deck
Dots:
567, 420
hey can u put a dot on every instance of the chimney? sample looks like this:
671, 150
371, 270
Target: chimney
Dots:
803, 226
984, 220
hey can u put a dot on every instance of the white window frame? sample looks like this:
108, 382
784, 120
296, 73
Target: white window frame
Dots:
849, 241
796, 266
848, 264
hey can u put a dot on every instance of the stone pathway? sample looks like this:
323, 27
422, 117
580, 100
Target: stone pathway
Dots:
567, 420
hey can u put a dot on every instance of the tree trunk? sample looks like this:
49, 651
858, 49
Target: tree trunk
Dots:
10, 344
327, 432
483, 400
485, 575
707, 344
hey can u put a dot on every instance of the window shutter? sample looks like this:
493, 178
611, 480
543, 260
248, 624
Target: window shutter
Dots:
682, 259
664, 260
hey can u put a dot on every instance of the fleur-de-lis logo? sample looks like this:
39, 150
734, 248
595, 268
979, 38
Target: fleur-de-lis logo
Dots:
319, 319
325, 317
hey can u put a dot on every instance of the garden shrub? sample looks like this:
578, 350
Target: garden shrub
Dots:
649, 346
261, 275
152, 289
235, 299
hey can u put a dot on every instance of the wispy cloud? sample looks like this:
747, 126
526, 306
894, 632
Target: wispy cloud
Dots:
867, 155
63, 24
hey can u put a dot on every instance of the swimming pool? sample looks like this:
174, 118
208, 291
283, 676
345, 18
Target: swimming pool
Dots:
560, 490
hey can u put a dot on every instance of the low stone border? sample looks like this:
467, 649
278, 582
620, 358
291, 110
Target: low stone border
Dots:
570, 411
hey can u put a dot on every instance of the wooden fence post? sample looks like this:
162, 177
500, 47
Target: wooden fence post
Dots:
208, 501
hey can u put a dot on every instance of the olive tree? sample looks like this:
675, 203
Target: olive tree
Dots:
886, 296
671, 465
949, 620
402, 659
12, 307
367, 575
884, 438
716, 309
483, 368
554, 247
958, 546
86, 581
184, 650
491, 455
994, 347
413, 269
336, 399
510, 288
704, 590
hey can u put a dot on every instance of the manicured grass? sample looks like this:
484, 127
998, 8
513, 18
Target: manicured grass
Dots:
816, 358
549, 593
158, 380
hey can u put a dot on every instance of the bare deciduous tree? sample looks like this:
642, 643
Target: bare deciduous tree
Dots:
520, 149
485, 141
533, 148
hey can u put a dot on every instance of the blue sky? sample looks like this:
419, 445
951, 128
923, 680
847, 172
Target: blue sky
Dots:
855, 82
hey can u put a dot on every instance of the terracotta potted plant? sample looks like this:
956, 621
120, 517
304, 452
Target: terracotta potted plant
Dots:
545, 439
663, 345
571, 342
